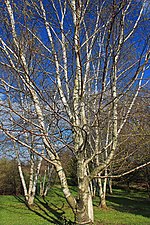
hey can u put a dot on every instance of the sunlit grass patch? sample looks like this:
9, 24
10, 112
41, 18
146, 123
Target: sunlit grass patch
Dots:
123, 209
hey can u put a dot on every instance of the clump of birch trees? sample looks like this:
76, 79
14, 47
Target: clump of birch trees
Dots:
66, 68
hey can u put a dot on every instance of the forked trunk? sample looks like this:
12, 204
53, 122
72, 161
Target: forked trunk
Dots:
30, 199
32, 193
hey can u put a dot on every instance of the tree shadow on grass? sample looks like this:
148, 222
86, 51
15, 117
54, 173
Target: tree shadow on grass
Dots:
137, 206
59, 195
51, 213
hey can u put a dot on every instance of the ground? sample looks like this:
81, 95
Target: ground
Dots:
123, 209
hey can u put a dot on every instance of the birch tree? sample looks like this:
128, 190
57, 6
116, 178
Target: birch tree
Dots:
68, 56
22, 155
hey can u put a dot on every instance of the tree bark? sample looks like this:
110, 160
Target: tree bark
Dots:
84, 208
102, 193
84, 213
103, 201
110, 186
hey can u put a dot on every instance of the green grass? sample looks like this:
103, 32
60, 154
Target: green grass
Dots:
123, 209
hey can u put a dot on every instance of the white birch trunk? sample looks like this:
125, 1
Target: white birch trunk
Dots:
34, 183
22, 179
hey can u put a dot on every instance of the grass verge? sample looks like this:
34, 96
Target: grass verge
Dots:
123, 209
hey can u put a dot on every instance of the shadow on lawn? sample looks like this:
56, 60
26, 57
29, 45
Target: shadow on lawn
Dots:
51, 213
138, 206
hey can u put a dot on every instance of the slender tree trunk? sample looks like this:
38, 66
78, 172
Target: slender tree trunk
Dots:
102, 190
63, 181
44, 186
110, 186
103, 201
22, 180
41, 188
34, 183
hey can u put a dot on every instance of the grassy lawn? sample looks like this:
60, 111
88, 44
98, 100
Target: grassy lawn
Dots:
123, 209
